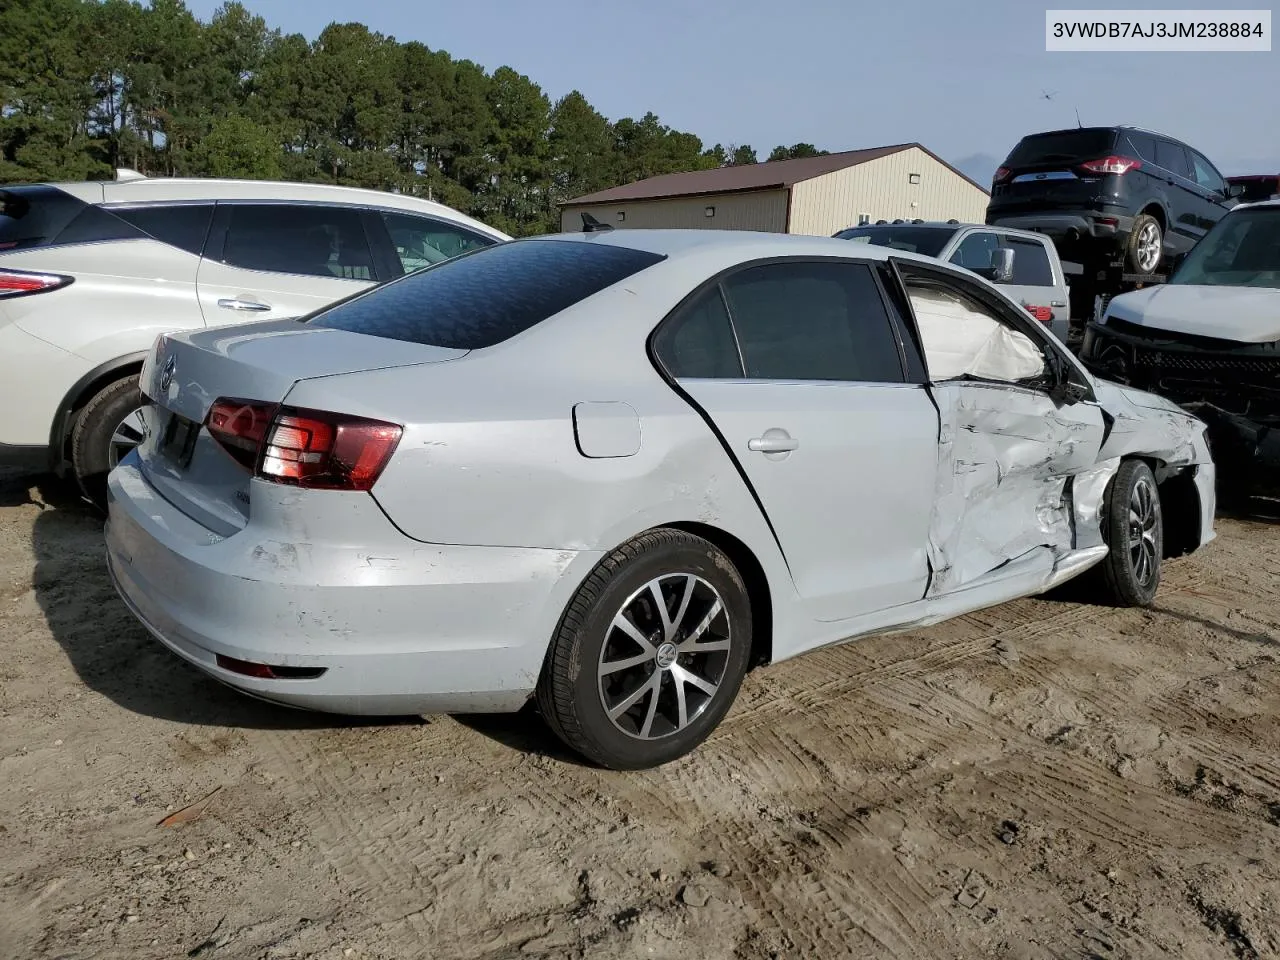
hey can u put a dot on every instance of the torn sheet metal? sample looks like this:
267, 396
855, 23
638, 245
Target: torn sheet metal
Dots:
1004, 458
1246, 450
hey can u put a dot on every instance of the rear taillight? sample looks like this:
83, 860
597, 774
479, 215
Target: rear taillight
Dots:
1001, 175
304, 448
1111, 165
240, 426
18, 283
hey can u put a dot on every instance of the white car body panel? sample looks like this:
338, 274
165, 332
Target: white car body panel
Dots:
1243, 314
493, 509
127, 292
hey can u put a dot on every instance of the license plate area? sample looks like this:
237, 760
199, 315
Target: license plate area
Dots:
178, 439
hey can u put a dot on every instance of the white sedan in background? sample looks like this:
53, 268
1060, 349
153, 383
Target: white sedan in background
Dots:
615, 470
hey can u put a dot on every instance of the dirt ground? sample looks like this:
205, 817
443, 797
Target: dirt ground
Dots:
1045, 779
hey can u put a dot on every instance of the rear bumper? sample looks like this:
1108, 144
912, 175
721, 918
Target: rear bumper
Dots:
399, 627
1067, 227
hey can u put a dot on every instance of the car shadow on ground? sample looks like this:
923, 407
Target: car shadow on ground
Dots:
109, 650
115, 656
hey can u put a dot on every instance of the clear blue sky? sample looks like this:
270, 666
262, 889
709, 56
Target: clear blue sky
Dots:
964, 79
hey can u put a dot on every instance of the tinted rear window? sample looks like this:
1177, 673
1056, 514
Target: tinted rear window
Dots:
928, 241
182, 225
490, 295
33, 216
1065, 146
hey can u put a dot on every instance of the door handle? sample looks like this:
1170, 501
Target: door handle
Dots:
773, 441
237, 303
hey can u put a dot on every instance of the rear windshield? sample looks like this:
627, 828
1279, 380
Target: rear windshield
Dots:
41, 215
928, 241
1066, 145
489, 295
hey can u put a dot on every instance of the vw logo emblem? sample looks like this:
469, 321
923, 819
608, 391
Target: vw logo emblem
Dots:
166, 375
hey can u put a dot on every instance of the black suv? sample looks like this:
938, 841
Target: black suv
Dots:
1103, 191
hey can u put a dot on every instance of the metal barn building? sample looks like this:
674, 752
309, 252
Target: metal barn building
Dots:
812, 195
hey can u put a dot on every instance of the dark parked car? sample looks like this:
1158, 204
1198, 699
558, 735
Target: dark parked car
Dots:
1209, 340
1103, 191
1257, 187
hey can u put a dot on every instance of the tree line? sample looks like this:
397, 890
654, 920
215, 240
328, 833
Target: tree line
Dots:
87, 86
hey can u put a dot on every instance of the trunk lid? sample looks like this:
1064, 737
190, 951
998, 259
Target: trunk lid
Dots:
258, 362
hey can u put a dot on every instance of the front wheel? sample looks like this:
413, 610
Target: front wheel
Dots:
1134, 526
106, 430
650, 653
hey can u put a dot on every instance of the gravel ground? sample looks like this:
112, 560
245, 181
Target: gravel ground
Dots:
1044, 779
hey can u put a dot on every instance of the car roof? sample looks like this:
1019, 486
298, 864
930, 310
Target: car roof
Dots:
739, 245
162, 189
1269, 202
948, 225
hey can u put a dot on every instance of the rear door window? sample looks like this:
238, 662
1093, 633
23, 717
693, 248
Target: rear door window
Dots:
421, 241
1173, 157
487, 296
302, 239
812, 321
1031, 267
182, 225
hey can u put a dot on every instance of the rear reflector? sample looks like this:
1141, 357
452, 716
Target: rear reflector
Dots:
1111, 165
17, 283
1043, 314
263, 671
303, 448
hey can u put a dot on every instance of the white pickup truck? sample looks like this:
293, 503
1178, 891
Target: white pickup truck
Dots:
1026, 264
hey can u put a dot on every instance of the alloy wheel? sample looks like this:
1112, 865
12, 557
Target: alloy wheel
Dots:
1149, 247
1142, 532
664, 656
127, 435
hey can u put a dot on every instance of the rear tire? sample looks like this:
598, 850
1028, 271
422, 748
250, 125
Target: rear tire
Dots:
1134, 528
641, 695
97, 438
1144, 250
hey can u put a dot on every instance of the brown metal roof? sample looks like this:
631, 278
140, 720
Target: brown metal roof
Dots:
755, 176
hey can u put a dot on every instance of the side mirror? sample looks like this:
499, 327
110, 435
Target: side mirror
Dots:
1002, 265
1235, 190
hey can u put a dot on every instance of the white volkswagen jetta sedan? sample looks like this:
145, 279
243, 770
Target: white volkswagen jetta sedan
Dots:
618, 469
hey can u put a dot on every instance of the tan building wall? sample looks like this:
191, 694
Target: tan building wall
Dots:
758, 210
882, 189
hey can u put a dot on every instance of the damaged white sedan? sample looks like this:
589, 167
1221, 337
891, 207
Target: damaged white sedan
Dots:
614, 471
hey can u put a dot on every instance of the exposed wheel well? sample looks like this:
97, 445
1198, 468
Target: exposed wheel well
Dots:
1155, 211
1180, 505
79, 397
756, 582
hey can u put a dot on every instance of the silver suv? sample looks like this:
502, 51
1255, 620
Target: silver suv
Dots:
91, 273
1025, 264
